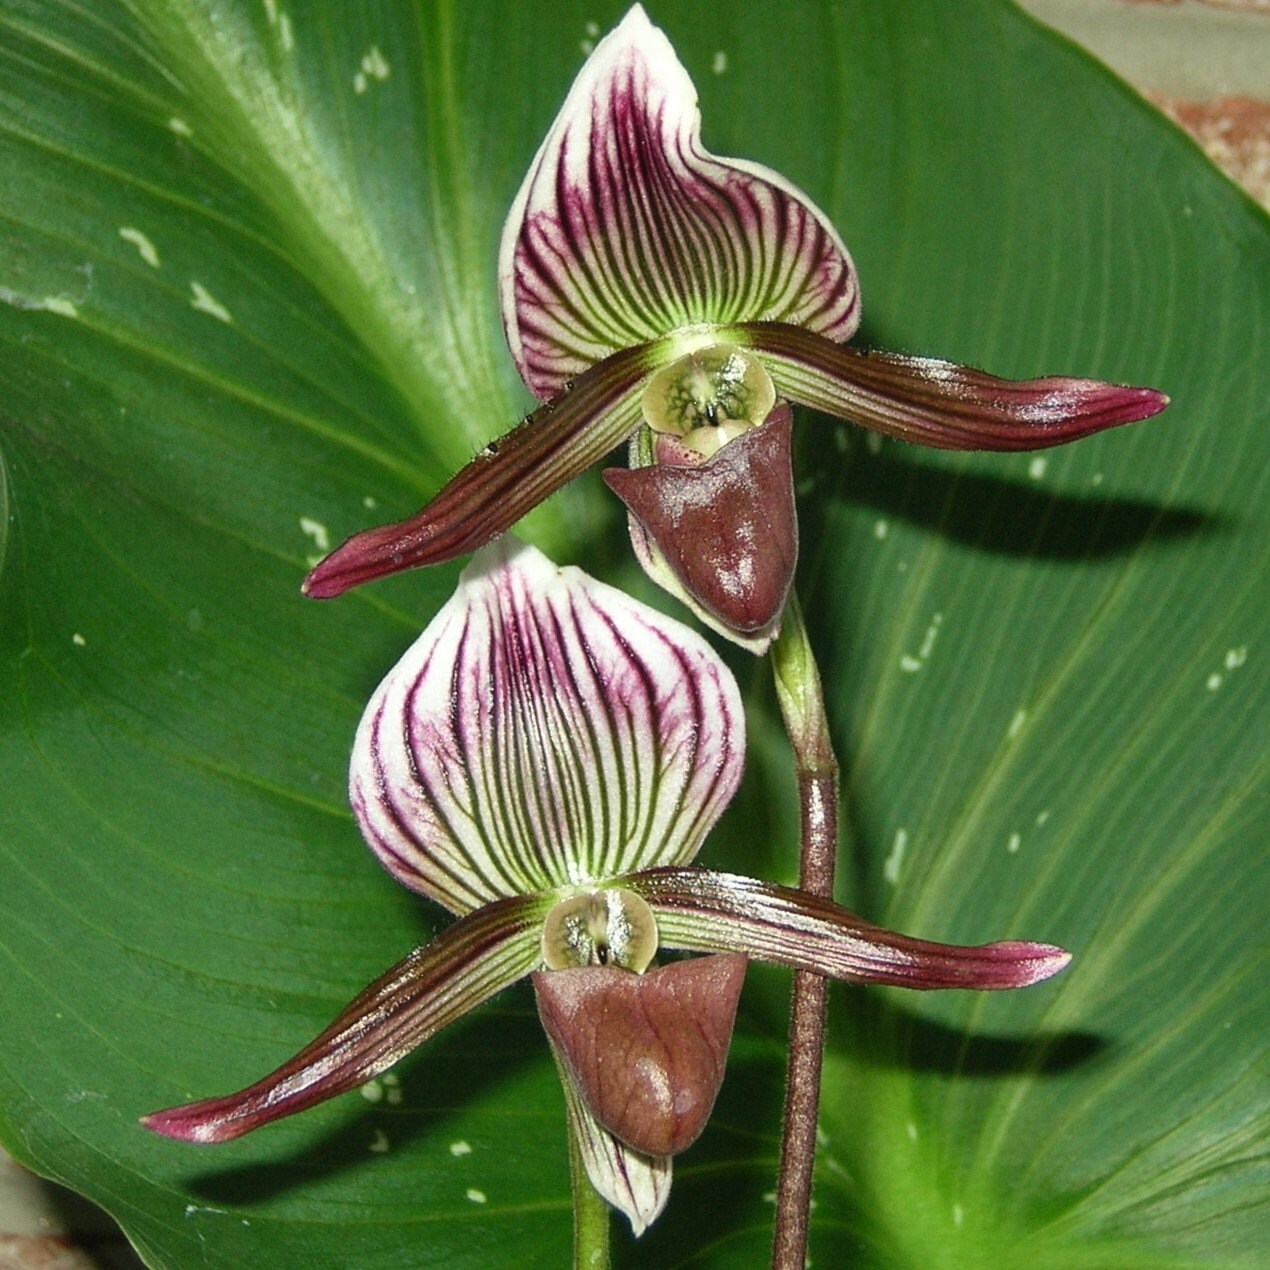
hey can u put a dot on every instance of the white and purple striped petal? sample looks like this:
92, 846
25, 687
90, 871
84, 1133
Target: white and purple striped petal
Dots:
545, 732
627, 229
637, 1185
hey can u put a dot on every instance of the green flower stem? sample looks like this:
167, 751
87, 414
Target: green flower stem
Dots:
590, 1213
803, 710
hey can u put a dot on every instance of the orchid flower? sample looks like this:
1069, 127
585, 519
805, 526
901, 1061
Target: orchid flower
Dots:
652, 290
546, 761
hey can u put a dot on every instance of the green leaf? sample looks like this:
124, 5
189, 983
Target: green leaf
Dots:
247, 269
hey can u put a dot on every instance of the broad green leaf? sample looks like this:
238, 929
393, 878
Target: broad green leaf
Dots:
247, 264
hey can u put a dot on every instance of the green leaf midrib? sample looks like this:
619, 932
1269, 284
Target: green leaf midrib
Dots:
247, 121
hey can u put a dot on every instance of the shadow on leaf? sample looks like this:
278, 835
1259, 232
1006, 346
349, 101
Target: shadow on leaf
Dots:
461, 1068
881, 1032
996, 514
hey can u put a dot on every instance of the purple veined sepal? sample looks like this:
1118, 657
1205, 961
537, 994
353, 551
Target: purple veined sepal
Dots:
705, 911
545, 731
637, 1185
466, 964
721, 535
626, 228
937, 403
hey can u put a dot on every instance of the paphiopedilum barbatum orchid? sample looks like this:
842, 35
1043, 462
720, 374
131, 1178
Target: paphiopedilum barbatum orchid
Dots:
545, 762
654, 291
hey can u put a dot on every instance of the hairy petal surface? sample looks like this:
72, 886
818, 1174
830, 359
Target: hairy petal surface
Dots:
546, 731
507, 479
466, 964
720, 912
626, 228
942, 404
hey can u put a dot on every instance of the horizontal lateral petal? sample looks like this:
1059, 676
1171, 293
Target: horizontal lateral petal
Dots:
720, 912
941, 404
507, 479
435, 985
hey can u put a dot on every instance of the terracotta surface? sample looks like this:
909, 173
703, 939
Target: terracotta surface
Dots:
1205, 63
1234, 132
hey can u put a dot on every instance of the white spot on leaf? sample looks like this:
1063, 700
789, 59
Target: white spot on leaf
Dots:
477, 1197
321, 536
374, 66
78, 640
891, 866
881, 528
62, 305
928, 640
1015, 842
1235, 657
1016, 724
180, 127
719, 63
373, 1091
460, 1147
379, 1143
143, 245
910, 664
205, 302
1036, 468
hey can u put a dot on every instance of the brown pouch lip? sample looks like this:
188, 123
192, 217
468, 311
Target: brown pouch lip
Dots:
727, 528
646, 1053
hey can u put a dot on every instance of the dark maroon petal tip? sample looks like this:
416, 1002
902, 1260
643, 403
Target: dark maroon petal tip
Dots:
212, 1120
